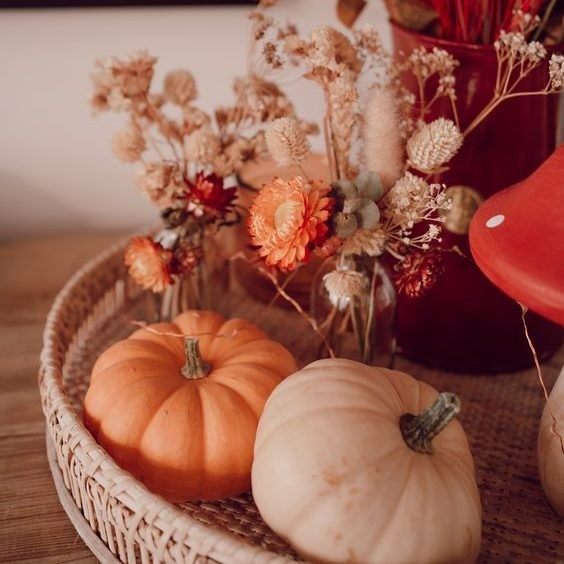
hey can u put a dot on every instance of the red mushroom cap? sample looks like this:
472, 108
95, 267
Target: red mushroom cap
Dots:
517, 239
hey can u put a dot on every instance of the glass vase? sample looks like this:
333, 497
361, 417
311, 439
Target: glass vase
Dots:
201, 288
359, 324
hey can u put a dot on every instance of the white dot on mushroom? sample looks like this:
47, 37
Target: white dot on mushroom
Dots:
495, 221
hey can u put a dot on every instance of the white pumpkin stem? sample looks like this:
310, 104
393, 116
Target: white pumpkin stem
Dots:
195, 367
419, 430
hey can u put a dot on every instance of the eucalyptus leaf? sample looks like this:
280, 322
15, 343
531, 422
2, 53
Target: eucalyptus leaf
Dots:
354, 204
344, 224
370, 185
344, 189
368, 216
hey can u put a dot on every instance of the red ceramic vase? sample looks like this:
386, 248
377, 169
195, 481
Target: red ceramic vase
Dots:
465, 323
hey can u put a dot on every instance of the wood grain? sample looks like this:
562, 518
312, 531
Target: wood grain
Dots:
33, 525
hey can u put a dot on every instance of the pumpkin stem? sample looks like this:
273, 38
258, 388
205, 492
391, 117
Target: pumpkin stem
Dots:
194, 367
419, 430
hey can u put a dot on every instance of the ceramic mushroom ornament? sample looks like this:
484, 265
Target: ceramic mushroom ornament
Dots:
517, 239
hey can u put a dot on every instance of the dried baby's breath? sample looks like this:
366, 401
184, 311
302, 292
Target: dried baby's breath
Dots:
433, 145
410, 201
556, 72
286, 142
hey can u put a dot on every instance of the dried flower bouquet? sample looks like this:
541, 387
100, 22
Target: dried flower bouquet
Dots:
188, 161
383, 154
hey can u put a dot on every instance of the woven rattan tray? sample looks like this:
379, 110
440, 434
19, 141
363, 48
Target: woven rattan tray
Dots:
500, 415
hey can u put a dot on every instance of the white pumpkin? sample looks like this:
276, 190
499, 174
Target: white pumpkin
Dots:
551, 448
334, 476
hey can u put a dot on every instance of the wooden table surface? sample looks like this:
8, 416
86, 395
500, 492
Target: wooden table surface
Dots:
33, 525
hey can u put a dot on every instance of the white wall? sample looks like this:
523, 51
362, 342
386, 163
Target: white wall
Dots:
57, 172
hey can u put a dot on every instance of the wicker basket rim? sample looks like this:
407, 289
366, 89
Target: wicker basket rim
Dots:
97, 463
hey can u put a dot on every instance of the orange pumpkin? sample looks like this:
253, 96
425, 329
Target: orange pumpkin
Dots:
181, 421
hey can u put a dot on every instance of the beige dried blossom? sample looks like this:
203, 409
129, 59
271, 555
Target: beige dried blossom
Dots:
411, 200
295, 46
121, 83
383, 145
236, 153
162, 182
365, 241
332, 50
343, 285
433, 145
128, 144
193, 118
378, 63
286, 142
203, 146
180, 87
424, 63
260, 100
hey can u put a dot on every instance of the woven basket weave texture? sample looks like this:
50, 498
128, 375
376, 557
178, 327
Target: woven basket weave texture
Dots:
500, 415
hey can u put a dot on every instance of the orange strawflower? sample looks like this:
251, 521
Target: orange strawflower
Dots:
289, 219
149, 263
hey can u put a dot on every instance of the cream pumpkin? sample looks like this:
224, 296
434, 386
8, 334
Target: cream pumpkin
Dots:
334, 474
181, 413
551, 448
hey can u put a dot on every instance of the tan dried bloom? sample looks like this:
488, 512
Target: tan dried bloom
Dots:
343, 285
128, 144
286, 142
203, 146
193, 118
180, 87
119, 83
258, 101
383, 146
433, 145
332, 50
162, 182
365, 241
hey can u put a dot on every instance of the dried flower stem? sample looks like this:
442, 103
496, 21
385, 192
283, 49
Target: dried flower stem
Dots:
553, 428
511, 71
159, 119
299, 309
370, 316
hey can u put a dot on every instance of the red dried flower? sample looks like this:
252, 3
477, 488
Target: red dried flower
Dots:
149, 263
329, 247
209, 193
186, 258
418, 272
